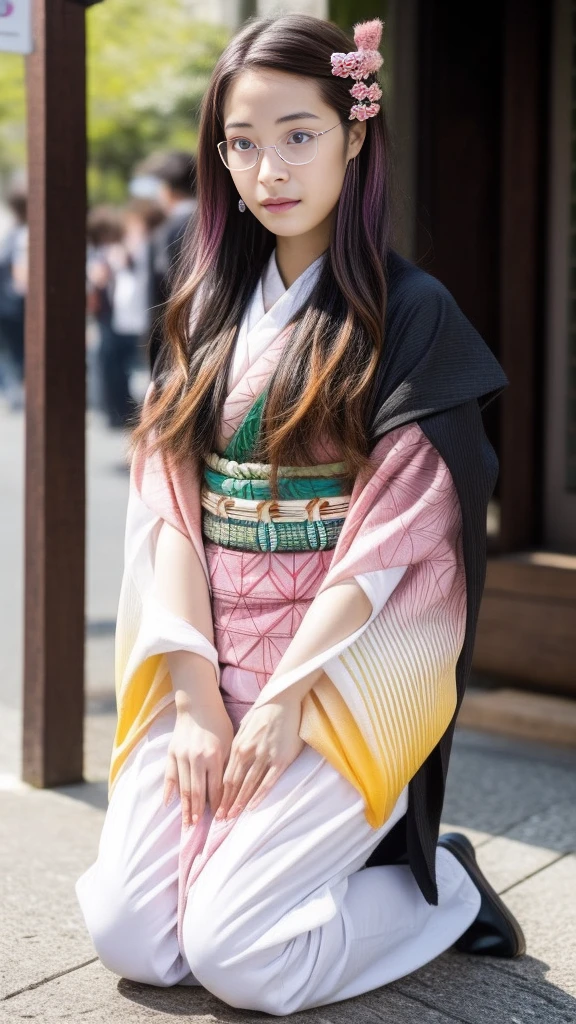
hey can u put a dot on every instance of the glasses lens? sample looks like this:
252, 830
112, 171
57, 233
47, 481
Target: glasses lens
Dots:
238, 154
295, 147
298, 146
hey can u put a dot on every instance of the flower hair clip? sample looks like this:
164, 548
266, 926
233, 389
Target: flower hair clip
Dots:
360, 64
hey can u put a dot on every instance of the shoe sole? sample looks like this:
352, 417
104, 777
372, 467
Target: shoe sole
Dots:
464, 852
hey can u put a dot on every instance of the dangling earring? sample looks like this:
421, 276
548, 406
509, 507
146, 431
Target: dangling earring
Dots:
241, 205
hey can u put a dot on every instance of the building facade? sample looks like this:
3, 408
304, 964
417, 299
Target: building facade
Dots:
483, 110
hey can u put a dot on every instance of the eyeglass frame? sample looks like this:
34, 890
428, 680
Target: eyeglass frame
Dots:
259, 149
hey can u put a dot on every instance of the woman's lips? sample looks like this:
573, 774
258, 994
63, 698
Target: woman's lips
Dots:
280, 207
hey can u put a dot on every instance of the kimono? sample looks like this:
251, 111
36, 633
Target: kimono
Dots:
378, 723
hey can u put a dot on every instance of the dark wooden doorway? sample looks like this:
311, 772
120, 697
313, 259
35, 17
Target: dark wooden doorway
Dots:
482, 131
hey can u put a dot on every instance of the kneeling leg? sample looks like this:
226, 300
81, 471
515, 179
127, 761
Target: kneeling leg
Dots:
285, 917
129, 896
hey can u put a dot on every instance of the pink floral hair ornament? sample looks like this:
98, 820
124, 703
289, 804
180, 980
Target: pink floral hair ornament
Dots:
360, 64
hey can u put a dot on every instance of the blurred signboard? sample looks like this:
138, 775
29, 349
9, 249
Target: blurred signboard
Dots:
16, 26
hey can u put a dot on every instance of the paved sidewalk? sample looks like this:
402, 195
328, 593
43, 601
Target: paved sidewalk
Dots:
516, 801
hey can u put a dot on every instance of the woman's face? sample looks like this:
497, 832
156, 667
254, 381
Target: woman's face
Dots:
259, 108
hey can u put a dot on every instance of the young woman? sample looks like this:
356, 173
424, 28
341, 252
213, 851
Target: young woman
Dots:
305, 554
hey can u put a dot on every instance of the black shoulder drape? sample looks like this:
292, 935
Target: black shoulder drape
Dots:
437, 371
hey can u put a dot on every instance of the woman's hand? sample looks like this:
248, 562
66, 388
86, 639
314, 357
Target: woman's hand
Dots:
265, 744
198, 752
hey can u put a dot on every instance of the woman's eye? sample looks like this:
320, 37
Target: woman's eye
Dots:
297, 138
242, 144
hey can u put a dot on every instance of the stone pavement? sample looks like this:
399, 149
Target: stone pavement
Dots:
516, 801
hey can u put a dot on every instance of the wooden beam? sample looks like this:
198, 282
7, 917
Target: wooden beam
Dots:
526, 622
530, 716
55, 398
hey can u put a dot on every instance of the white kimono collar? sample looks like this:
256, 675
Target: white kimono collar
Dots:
268, 312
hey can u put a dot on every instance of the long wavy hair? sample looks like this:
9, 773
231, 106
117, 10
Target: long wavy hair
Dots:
322, 384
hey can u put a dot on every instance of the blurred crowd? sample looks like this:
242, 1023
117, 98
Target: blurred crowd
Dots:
132, 251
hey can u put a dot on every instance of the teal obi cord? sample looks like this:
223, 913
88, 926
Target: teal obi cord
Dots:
231, 476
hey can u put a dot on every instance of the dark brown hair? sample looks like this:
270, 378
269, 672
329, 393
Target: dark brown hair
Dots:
17, 200
176, 168
104, 225
148, 210
322, 383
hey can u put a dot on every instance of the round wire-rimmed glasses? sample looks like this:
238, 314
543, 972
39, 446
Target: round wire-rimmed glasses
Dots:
237, 159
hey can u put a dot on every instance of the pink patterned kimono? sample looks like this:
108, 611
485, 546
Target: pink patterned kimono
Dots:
388, 691
280, 908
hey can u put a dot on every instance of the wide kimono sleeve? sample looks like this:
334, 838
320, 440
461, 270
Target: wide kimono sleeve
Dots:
146, 630
388, 691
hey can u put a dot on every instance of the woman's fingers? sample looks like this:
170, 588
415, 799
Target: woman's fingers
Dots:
245, 789
265, 786
170, 781
249, 787
215, 787
228, 792
185, 790
198, 788
231, 781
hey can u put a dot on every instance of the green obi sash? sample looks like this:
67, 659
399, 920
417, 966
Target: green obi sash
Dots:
231, 475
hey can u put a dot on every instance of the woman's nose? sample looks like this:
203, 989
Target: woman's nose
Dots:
272, 167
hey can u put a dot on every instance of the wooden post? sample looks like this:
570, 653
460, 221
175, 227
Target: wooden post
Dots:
55, 398
522, 260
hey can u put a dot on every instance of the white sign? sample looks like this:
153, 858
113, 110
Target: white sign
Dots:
16, 26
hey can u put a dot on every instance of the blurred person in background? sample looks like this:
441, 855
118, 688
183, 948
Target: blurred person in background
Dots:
104, 230
176, 174
131, 317
119, 285
13, 287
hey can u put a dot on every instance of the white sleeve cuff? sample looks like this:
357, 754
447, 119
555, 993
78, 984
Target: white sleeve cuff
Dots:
378, 585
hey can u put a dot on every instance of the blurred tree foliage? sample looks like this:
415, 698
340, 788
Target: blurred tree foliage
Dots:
347, 13
148, 67
12, 124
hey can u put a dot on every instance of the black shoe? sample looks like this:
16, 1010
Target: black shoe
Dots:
495, 931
